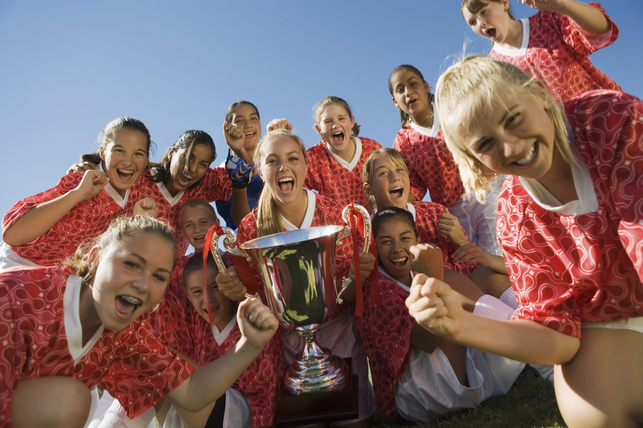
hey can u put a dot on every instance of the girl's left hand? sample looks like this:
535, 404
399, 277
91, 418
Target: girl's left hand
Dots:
234, 137
449, 226
366, 265
256, 322
147, 207
428, 259
470, 254
275, 124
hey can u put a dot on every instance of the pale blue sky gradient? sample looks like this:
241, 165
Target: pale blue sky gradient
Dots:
67, 68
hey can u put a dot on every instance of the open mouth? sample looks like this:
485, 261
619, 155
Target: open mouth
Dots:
491, 32
396, 192
124, 174
529, 157
399, 262
338, 137
127, 305
250, 134
185, 179
286, 185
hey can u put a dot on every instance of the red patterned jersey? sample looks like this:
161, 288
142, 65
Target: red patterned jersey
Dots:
190, 334
568, 269
87, 220
427, 217
386, 332
131, 364
431, 166
330, 178
214, 186
558, 52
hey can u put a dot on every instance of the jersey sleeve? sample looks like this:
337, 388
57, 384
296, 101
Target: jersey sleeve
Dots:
216, 186
144, 370
67, 183
313, 179
403, 146
574, 37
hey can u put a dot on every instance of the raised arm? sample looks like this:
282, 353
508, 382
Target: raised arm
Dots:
591, 21
435, 306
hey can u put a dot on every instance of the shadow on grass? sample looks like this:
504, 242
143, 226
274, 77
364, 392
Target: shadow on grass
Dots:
528, 404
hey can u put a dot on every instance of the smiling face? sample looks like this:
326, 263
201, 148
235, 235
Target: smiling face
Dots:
393, 241
335, 127
491, 21
130, 279
389, 183
194, 223
518, 139
182, 178
410, 94
125, 158
246, 119
283, 168
221, 307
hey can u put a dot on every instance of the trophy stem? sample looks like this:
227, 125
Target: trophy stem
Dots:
315, 369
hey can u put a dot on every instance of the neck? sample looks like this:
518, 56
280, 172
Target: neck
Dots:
295, 211
559, 180
404, 279
349, 151
424, 119
514, 35
170, 188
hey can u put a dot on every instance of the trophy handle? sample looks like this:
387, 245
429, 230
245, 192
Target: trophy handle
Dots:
229, 243
345, 282
356, 209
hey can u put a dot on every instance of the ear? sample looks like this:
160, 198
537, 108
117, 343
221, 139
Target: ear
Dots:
101, 151
352, 121
93, 258
368, 189
395, 102
427, 87
318, 129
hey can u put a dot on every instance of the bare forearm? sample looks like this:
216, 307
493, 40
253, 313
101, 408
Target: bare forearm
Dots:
497, 263
37, 221
521, 340
591, 20
211, 381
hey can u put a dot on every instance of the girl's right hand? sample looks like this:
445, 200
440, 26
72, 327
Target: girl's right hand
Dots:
428, 259
146, 207
256, 322
275, 124
230, 284
471, 253
82, 166
234, 137
91, 184
434, 305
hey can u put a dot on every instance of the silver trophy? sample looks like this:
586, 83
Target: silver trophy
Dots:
298, 273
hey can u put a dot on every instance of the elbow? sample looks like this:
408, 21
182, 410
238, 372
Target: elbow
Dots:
13, 238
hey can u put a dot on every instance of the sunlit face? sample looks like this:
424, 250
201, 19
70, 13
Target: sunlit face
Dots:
335, 127
283, 168
518, 140
181, 178
492, 21
194, 223
393, 242
221, 307
389, 183
125, 158
130, 278
246, 119
410, 94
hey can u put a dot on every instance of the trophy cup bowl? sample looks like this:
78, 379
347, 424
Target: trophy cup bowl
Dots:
298, 272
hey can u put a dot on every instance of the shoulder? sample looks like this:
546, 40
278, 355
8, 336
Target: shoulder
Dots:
317, 150
368, 144
34, 281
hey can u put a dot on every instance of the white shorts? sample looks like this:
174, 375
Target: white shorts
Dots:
342, 338
634, 324
9, 258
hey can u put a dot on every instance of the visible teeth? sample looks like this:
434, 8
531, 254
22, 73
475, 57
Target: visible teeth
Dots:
396, 189
529, 157
125, 172
399, 260
131, 300
285, 180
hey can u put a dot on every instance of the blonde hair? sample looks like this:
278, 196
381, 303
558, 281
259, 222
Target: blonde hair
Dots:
198, 203
328, 101
367, 169
469, 91
268, 218
119, 230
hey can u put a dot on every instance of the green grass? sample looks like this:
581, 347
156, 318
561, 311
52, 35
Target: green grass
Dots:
529, 403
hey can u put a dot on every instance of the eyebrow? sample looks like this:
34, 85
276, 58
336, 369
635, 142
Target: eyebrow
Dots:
143, 260
508, 111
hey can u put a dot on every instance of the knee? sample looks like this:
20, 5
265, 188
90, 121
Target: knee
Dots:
46, 395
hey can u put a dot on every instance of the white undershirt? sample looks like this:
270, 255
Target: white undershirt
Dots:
308, 217
348, 165
73, 327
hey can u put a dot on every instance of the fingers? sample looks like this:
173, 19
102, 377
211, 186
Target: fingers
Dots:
258, 314
275, 124
230, 285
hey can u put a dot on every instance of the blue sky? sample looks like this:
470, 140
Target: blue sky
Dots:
67, 68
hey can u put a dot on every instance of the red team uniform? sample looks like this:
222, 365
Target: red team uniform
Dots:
555, 51
214, 186
87, 220
583, 264
190, 334
41, 335
331, 176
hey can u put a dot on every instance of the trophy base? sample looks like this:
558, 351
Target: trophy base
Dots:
313, 407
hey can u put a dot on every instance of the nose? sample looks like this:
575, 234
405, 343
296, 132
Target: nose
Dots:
511, 146
143, 283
